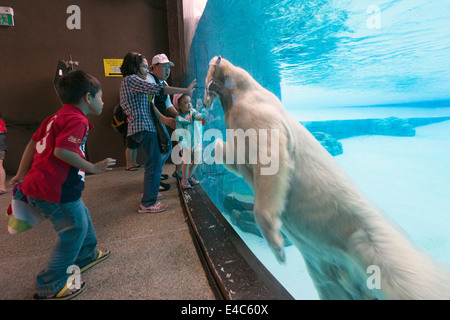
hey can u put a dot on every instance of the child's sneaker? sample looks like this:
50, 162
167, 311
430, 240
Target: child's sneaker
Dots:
157, 207
185, 184
193, 181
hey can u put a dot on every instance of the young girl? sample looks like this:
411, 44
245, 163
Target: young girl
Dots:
187, 120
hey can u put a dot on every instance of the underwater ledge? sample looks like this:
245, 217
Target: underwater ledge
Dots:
234, 272
391, 126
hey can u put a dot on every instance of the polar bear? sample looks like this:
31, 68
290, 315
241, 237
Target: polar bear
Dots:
352, 250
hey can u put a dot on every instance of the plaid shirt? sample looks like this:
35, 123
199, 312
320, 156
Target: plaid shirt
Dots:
135, 103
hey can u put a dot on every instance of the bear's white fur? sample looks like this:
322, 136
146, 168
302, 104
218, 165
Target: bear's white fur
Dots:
339, 231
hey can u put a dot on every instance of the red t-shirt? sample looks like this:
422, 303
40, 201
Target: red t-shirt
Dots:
49, 178
2, 126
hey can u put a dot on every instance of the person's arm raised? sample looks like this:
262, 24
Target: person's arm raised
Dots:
175, 90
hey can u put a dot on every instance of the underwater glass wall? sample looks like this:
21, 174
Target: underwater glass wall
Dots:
369, 78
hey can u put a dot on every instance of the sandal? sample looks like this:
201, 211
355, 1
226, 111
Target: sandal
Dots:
132, 169
164, 186
60, 295
101, 256
193, 181
157, 207
164, 176
185, 184
3, 191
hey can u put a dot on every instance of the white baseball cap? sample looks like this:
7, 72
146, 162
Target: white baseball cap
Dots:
161, 58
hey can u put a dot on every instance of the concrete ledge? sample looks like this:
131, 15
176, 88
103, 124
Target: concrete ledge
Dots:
238, 274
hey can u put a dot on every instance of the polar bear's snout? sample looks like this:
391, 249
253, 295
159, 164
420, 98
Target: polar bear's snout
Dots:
209, 94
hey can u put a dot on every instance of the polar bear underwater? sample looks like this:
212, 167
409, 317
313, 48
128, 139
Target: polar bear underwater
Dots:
339, 231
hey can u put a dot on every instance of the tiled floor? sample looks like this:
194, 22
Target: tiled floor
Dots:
153, 255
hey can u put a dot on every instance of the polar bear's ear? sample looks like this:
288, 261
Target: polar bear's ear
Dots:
216, 61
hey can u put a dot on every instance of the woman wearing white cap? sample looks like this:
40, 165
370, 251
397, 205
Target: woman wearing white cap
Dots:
134, 92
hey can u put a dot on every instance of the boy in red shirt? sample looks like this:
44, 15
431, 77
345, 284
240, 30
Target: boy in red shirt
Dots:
52, 173
2, 156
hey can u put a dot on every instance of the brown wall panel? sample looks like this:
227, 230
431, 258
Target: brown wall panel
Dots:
29, 52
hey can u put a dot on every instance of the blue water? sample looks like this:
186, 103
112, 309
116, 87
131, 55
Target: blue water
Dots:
336, 60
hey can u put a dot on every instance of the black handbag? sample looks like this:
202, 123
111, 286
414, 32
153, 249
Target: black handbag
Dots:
165, 144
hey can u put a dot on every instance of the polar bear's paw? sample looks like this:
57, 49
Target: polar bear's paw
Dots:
270, 229
278, 249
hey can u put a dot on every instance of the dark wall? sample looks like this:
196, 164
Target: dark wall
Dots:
29, 52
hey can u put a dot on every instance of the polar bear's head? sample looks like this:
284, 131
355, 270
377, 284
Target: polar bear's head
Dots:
220, 81
213, 80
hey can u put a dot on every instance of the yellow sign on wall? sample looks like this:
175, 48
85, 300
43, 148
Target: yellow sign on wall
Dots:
112, 67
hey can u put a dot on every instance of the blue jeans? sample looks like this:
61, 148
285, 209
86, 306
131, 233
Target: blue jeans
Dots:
76, 243
164, 157
148, 142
